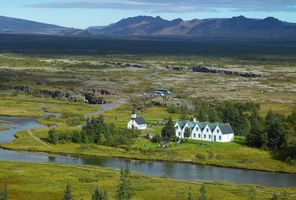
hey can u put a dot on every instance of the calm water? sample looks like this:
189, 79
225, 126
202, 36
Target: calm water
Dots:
175, 170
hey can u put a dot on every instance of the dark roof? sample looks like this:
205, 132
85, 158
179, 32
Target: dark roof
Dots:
182, 123
225, 128
140, 120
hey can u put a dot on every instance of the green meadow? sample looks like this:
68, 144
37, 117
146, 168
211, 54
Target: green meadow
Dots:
47, 181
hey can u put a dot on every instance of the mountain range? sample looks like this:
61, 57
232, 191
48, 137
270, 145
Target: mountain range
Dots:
235, 27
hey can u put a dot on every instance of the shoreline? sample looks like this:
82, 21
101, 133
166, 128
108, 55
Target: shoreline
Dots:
141, 159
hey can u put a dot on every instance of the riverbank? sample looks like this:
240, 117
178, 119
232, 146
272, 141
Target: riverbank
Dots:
52, 178
232, 155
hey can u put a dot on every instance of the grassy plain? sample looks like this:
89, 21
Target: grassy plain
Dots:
47, 181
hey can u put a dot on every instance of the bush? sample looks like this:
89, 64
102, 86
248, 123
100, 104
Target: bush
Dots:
200, 156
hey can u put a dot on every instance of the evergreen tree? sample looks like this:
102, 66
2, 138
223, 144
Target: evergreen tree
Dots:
187, 133
53, 136
275, 131
202, 116
203, 192
213, 115
124, 189
285, 196
99, 195
168, 132
4, 193
245, 126
190, 197
256, 136
275, 197
252, 193
68, 192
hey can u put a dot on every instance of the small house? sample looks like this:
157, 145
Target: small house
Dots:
137, 123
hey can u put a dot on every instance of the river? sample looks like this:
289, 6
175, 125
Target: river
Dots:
183, 171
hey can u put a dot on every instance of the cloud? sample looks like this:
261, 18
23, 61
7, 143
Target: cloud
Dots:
175, 6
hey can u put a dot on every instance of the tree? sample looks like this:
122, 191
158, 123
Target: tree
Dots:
285, 196
275, 197
168, 131
53, 136
252, 193
124, 189
68, 192
256, 136
99, 195
187, 133
275, 131
245, 126
190, 197
4, 193
213, 115
203, 192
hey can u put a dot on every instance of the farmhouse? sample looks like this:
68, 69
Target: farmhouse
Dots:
213, 132
136, 122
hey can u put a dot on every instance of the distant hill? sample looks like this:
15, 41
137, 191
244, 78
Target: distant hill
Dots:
230, 28
10, 25
235, 27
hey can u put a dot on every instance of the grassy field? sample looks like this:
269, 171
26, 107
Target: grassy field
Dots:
47, 182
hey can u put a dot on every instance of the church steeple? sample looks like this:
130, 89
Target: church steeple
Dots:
134, 114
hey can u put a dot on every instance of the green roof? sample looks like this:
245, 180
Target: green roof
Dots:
213, 125
191, 124
226, 128
181, 124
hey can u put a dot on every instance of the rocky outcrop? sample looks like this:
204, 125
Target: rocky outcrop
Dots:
125, 65
101, 91
91, 96
224, 71
24, 88
176, 67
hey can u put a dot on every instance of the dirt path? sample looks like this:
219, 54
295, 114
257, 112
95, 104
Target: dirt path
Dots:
106, 107
37, 139
148, 77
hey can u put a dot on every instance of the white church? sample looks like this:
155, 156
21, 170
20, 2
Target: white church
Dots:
212, 132
137, 123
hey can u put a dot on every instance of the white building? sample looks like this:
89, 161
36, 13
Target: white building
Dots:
212, 132
137, 122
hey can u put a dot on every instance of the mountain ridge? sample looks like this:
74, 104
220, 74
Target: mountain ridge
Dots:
235, 27
240, 26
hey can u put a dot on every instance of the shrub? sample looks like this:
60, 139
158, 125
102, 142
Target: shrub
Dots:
200, 156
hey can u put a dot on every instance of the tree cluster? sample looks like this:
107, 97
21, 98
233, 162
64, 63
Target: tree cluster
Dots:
274, 132
95, 131
235, 113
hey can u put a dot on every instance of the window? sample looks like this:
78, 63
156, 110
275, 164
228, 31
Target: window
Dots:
217, 130
194, 135
176, 127
205, 136
179, 134
220, 137
207, 130
198, 135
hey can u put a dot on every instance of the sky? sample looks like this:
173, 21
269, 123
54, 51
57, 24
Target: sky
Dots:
85, 13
